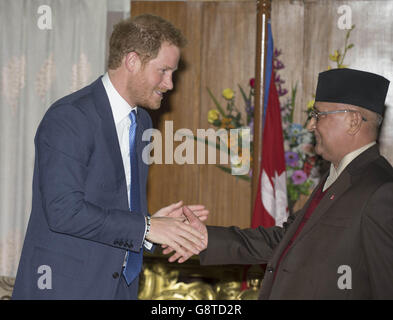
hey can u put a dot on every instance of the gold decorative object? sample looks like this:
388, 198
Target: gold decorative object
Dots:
227, 290
252, 292
155, 279
191, 291
161, 280
6, 287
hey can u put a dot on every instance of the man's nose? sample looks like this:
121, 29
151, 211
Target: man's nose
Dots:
311, 124
168, 83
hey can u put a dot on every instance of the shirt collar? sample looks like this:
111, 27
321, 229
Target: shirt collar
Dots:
334, 173
120, 107
350, 156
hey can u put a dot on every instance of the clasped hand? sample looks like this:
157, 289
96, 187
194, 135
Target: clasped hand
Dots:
179, 229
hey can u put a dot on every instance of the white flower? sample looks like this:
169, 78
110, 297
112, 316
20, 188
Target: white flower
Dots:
45, 77
13, 80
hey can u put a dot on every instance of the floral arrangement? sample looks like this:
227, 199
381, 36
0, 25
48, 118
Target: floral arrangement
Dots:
231, 118
302, 163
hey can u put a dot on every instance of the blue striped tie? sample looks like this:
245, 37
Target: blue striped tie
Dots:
134, 259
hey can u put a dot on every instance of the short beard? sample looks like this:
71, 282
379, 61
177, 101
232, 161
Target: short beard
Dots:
136, 93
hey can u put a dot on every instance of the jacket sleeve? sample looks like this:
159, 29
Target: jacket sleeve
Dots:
64, 144
377, 239
232, 245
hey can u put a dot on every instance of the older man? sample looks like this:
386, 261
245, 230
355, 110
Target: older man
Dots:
340, 245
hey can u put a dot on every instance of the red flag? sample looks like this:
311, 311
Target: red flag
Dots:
270, 207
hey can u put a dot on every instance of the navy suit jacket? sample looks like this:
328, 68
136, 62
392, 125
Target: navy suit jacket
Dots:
80, 225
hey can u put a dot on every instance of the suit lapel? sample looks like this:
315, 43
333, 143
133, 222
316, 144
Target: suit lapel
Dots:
294, 226
109, 129
139, 149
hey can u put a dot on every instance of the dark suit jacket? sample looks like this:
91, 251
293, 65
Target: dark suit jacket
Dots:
80, 225
352, 226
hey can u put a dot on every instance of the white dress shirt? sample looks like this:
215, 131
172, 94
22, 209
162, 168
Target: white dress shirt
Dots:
121, 111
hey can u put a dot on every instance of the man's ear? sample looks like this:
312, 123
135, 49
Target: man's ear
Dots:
132, 61
355, 122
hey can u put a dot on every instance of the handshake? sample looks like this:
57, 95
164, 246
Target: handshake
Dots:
179, 230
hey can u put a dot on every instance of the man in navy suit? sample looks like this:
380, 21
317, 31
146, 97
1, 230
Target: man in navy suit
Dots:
83, 231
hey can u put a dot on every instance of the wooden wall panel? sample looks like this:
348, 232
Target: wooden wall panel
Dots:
220, 54
228, 59
172, 182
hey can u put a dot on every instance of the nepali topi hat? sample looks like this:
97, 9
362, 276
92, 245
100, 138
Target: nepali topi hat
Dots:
349, 86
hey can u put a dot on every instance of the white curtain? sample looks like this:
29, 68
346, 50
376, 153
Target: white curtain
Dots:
49, 48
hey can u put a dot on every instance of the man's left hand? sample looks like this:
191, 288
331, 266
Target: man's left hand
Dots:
196, 223
175, 210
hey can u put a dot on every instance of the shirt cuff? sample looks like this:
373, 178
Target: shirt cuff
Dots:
146, 243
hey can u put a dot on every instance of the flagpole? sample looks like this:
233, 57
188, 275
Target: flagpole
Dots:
263, 16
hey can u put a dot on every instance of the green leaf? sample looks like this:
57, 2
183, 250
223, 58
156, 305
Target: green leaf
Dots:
293, 98
216, 102
243, 94
292, 193
229, 170
217, 123
206, 141
229, 106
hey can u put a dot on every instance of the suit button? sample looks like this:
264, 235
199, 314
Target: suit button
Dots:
115, 275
